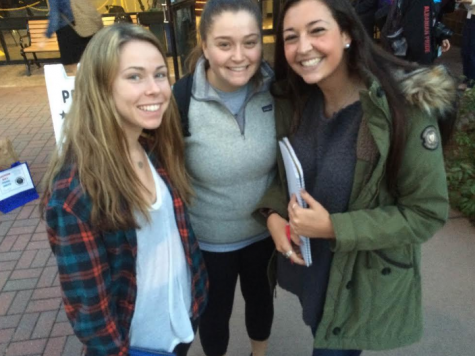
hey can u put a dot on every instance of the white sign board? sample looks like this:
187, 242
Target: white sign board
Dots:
60, 89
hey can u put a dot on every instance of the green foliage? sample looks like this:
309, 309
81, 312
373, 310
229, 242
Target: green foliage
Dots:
460, 158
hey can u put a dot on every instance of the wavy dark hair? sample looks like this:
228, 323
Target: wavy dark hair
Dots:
363, 59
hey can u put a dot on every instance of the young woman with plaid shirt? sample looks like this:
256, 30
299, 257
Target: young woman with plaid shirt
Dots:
131, 271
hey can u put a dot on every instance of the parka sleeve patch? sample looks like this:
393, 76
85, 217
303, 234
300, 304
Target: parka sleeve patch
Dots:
430, 138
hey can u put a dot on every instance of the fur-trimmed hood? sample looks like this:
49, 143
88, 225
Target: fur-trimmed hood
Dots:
432, 89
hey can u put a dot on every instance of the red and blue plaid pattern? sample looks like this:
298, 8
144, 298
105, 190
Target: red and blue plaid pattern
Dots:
97, 268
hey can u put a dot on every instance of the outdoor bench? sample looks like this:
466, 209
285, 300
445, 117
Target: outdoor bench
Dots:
39, 43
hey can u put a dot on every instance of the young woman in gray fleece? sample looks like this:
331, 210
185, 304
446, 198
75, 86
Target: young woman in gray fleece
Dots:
231, 157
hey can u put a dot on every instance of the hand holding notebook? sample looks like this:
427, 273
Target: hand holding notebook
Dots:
295, 183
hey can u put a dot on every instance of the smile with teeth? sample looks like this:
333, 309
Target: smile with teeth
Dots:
155, 107
238, 69
310, 62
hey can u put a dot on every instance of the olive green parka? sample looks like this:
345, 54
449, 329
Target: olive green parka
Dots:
373, 301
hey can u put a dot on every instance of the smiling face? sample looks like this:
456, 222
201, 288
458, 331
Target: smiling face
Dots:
233, 48
313, 43
140, 90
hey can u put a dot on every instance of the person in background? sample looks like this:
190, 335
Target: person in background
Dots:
427, 38
365, 128
446, 7
231, 158
132, 275
72, 31
366, 10
468, 44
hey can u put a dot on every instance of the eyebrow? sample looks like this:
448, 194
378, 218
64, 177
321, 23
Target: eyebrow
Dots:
229, 37
308, 25
142, 68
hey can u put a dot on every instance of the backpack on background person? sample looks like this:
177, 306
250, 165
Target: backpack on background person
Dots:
392, 32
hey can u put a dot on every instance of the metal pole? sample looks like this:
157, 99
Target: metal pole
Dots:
171, 21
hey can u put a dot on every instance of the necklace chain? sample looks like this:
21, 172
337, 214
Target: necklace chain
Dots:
346, 101
348, 98
138, 156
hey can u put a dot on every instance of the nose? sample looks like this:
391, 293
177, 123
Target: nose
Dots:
304, 45
238, 54
153, 87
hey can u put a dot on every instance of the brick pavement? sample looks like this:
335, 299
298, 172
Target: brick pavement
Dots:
32, 321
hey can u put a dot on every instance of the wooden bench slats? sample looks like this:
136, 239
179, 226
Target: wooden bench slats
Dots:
46, 42
40, 43
39, 30
46, 48
43, 24
42, 39
41, 35
38, 22
109, 20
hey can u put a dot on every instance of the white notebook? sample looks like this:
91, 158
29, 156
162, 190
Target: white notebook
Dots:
295, 182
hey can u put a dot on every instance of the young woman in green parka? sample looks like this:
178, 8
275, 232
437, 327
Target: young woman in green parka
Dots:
368, 131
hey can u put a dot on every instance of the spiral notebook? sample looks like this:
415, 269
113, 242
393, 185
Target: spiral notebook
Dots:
295, 182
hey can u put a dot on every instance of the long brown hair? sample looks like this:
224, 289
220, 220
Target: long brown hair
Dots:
363, 58
93, 140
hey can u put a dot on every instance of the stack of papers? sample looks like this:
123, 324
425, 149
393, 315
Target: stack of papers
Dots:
295, 182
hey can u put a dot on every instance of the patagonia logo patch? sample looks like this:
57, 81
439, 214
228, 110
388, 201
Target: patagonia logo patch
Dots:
430, 139
267, 108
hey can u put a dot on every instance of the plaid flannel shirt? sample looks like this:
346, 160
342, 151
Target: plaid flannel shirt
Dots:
97, 269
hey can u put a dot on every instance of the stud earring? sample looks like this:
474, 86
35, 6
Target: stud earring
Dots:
347, 45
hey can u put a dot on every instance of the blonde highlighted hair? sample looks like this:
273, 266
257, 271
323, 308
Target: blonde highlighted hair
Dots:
94, 141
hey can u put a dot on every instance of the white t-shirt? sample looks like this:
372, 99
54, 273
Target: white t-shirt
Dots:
162, 313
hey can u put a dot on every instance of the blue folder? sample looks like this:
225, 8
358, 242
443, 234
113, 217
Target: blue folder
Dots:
21, 198
133, 351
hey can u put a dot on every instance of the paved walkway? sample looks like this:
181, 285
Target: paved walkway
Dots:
32, 321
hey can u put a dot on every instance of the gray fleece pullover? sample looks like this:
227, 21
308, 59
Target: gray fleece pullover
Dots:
230, 169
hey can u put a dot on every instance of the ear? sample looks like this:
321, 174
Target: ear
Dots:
346, 39
204, 48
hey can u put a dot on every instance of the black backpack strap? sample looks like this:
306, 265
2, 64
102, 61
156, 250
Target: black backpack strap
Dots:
182, 93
